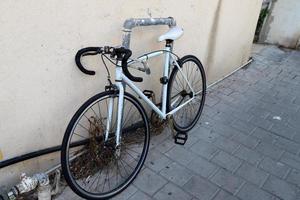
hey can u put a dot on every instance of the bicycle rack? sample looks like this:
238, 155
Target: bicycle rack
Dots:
181, 138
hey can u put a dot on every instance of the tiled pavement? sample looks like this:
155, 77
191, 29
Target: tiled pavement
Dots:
246, 145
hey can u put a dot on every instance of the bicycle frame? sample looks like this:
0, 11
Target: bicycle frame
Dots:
122, 79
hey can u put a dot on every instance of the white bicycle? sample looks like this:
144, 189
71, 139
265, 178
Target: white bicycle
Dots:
107, 140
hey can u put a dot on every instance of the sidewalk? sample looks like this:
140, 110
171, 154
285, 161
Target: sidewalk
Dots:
246, 145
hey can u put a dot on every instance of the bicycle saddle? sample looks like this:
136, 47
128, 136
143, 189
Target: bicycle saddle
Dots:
173, 34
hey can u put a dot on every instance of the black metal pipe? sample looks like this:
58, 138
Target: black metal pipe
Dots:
29, 156
54, 149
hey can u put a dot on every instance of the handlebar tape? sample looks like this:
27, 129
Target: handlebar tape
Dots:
78, 56
127, 55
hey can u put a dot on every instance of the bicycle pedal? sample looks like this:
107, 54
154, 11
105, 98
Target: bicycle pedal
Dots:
181, 138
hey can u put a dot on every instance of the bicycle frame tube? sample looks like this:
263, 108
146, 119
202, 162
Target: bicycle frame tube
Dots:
109, 119
120, 86
166, 75
185, 78
121, 78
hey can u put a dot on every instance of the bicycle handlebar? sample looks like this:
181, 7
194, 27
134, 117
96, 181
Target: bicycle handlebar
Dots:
121, 53
84, 52
127, 54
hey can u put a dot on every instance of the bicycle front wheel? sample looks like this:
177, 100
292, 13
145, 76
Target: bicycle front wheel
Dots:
93, 166
179, 92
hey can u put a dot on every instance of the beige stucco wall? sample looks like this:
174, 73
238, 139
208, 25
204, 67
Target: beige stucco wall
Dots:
40, 87
282, 26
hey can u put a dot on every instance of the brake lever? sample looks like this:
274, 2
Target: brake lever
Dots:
146, 67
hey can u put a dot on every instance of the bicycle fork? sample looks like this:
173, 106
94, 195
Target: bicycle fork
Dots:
120, 103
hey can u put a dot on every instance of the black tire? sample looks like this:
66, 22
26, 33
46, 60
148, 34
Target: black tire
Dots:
77, 182
180, 89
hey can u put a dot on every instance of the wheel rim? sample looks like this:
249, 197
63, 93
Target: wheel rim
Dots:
92, 163
180, 93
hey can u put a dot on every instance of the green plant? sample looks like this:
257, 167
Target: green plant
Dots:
263, 14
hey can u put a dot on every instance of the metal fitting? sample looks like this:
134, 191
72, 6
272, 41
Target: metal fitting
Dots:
28, 184
129, 24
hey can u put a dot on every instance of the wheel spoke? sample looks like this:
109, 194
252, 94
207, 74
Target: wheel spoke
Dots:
101, 170
185, 118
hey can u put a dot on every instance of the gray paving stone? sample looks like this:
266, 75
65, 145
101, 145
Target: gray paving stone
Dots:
223, 97
252, 174
274, 167
224, 118
227, 91
245, 127
261, 123
222, 195
126, 193
206, 123
225, 144
291, 160
202, 167
209, 136
283, 121
291, 156
156, 140
165, 146
259, 112
192, 139
269, 150
240, 99
225, 130
264, 136
204, 149
287, 108
176, 174
212, 100
248, 155
281, 189
294, 177
270, 99
172, 192
140, 195
226, 161
288, 145
227, 181
149, 182
246, 140
181, 155
156, 160
209, 111
296, 137
200, 188
242, 114
251, 192
283, 131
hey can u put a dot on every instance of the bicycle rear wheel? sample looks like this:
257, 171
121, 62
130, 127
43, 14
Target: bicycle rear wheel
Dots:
91, 164
179, 93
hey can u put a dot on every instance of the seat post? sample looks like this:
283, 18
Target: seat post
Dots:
169, 43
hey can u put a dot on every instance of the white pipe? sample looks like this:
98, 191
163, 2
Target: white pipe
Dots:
221, 79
